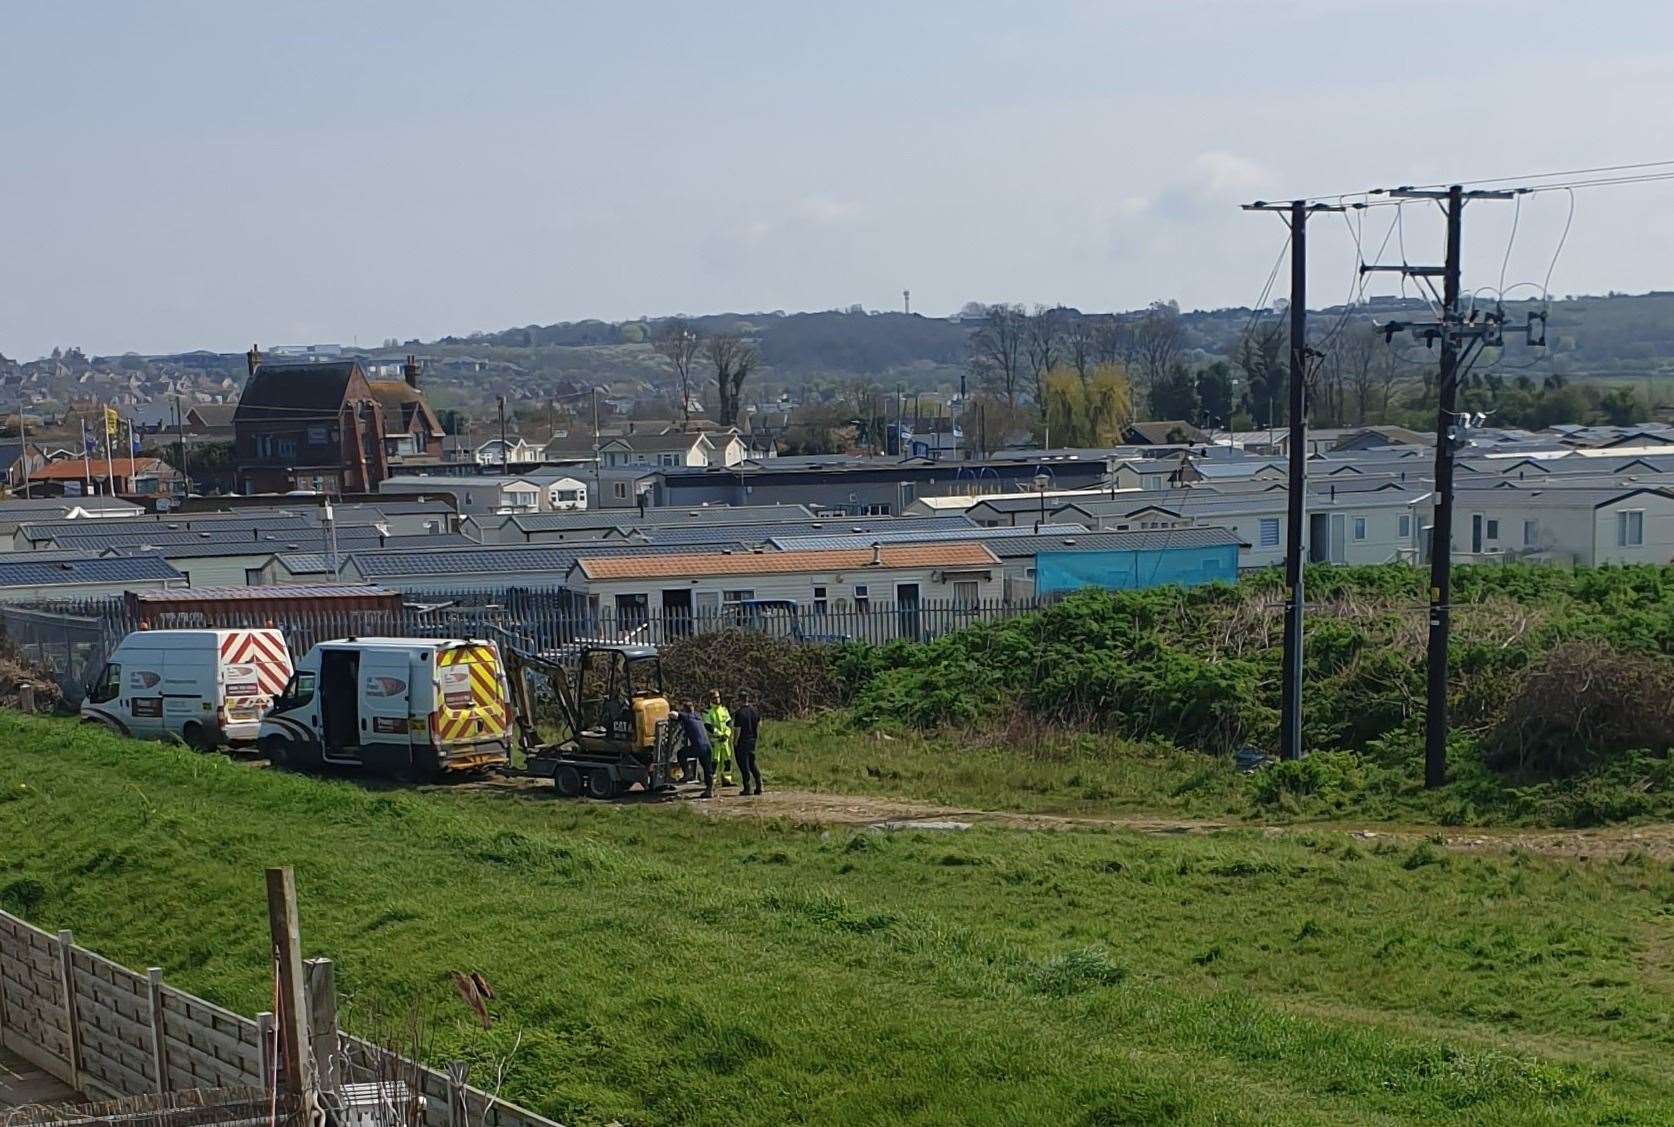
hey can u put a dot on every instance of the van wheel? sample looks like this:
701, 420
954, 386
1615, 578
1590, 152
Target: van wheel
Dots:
601, 783
198, 738
277, 749
566, 781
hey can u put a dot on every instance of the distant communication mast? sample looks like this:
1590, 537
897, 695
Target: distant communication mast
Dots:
907, 302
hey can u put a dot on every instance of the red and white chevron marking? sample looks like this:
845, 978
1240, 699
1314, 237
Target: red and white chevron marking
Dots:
265, 651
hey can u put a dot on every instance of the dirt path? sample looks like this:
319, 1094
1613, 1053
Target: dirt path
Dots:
1655, 841
820, 808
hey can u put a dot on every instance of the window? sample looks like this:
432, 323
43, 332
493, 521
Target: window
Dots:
109, 685
1360, 528
875, 510
287, 447
1630, 528
668, 460
1493, 530
820, 603
299, 692
1531, 533
862, 600
966, 592
317, 436
1270, 532
1403, 526
733, 598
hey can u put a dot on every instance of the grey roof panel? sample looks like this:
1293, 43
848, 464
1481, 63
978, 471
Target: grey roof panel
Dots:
109, 569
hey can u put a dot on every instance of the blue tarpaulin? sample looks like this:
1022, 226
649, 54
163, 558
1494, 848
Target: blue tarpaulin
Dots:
1056, 572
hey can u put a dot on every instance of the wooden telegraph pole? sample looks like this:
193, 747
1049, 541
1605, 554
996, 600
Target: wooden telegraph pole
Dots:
1296, 509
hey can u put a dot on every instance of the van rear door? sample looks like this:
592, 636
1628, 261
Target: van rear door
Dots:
257, 666
472, 707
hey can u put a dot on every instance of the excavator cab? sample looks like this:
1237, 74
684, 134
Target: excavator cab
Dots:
620, 689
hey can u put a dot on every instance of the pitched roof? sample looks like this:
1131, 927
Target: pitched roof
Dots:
108, 569
653, 443
295, 391
783, 563
213, 414
1157, 433
400, 401
74, 469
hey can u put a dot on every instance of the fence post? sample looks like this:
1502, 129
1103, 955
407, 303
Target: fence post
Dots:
286, 938
269, 1049
159, 1048
67, 982
457, 1071
321, 978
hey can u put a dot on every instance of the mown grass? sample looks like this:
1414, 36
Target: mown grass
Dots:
654, 966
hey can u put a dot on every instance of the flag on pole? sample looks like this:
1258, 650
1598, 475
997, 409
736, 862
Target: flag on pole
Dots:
113, 423
87, 444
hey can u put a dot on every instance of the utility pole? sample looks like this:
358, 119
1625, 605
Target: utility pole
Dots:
1296, 500
23, 441
1460, 343
598, 463
505, 454
180, 428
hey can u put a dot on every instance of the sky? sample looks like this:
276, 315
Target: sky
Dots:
214, 174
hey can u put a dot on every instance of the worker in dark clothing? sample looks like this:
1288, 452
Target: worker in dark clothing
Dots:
746, 725
697, 741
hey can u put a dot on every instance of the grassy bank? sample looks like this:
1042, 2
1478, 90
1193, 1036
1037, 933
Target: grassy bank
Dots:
658, 967
1051, 770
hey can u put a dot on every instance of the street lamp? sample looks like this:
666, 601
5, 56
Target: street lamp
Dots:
1041, 482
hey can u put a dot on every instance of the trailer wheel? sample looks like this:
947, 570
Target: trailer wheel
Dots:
566, 780
601, 783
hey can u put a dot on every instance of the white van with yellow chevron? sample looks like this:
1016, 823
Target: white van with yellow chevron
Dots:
411, 706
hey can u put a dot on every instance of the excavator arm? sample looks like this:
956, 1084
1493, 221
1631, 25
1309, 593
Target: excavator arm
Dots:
521, 666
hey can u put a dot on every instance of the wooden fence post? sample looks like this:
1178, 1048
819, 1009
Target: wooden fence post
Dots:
159, 1048
269, 1049
296, 1055
67, 983
321, 976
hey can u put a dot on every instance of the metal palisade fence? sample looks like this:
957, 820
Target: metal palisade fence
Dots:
71, 637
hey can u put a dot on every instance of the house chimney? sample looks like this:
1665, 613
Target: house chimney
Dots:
877, 555
410, 371
253, 358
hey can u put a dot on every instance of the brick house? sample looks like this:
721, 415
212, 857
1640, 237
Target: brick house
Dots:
412, 432
309, 425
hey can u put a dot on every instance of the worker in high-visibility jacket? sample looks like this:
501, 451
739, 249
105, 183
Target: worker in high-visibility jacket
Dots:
719, 723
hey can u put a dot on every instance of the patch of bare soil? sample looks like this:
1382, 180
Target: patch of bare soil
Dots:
817, 808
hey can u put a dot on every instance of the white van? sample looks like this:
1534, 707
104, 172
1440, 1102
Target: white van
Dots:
206, 687
413, 706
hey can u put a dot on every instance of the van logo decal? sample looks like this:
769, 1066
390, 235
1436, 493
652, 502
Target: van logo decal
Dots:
385, 686
143, 679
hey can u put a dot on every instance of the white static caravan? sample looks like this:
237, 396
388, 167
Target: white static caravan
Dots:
702, 585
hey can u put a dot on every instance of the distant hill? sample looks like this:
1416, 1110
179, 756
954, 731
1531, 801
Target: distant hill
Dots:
1616, 337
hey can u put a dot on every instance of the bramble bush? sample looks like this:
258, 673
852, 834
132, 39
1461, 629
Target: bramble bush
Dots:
1554, 672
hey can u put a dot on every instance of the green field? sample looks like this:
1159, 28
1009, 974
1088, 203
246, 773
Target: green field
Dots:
656, 966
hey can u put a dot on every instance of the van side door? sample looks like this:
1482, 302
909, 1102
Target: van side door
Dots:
385, 738
142, 699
